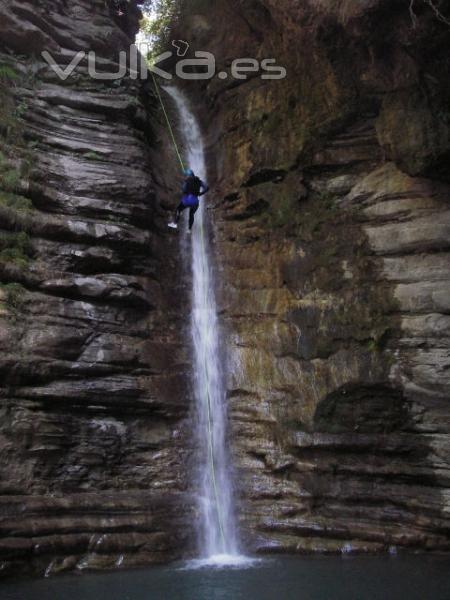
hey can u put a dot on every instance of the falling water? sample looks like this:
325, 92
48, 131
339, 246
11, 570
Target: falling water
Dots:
217, 535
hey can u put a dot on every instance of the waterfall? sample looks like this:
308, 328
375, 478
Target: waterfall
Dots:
217, 527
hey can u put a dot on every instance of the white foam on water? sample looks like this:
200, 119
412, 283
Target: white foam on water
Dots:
222, 561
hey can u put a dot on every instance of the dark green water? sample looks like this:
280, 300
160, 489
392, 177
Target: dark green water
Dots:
358, 578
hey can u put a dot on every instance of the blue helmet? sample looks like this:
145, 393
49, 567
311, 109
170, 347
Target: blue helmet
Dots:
189, 172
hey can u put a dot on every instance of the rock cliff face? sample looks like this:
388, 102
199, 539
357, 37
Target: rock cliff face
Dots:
332, 229
93, 387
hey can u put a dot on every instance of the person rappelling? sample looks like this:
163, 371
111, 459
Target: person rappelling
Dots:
193, 188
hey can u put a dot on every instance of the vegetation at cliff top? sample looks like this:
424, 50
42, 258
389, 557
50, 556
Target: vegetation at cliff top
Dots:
155, 25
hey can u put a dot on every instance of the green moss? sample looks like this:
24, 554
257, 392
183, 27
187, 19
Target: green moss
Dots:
20, 109
9, 121
372, 345
15, 211
318, 212
326, 198
10, 179
16, 159
284, 211
15, 202
381, 332
15, 249
8, 73
92, 156
14, 296
14, 256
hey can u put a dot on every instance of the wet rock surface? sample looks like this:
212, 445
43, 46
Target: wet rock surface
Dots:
331, 225
331, 228
93, 393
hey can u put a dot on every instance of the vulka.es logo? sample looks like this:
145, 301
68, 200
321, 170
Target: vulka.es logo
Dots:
202, 66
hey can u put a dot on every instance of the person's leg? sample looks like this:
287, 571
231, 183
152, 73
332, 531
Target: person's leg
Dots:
191, 215
178, 212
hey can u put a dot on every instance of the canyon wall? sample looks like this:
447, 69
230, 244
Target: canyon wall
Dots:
331, 227
332, 231
93, 392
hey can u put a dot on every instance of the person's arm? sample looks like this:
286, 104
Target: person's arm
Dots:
184, 188
204, 188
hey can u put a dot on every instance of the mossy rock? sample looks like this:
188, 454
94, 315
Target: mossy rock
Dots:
15, 202
92, 156
15, 248
284, 210
12, 297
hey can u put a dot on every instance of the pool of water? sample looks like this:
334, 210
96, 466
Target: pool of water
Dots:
280, 578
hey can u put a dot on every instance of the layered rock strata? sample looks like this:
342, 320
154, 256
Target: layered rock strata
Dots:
94, 388
332, 225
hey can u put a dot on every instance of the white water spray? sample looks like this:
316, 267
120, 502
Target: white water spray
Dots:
217, 535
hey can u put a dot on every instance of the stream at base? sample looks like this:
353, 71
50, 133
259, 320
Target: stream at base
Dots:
417, 577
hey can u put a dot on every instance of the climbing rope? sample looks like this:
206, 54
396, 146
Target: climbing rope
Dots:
210, 432
172, 135
208, 397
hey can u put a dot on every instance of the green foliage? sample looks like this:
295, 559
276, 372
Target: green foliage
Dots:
159, 18
155, 25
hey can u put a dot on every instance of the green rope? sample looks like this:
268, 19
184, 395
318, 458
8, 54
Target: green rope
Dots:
168, 121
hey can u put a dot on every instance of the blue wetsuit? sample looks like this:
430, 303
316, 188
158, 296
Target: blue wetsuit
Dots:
193, 188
